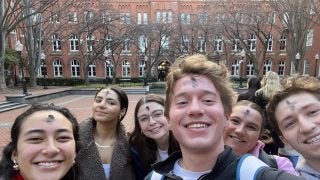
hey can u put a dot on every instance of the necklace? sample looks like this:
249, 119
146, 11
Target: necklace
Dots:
103, 147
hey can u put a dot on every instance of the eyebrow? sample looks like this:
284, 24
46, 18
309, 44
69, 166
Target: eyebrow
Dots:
154, 111
205, 92
41, 131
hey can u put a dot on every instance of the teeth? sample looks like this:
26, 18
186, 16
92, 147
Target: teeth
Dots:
313, 140
236, 139
198, 125
48, 164
155, 129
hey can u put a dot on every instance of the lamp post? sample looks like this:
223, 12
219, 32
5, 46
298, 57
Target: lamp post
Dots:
19, 48
146, 84
44, 72
105, 55
242, 54
316, 57
298, 56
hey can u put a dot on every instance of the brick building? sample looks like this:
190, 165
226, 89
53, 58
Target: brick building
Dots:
139, 38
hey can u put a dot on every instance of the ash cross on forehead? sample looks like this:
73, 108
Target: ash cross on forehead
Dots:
147, 108
107, 92
50, 118
194, 81
246, 112
290, 105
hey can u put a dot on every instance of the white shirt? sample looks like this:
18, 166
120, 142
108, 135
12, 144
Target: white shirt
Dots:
185, 174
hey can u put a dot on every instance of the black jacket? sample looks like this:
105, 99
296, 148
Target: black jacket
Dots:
224, 169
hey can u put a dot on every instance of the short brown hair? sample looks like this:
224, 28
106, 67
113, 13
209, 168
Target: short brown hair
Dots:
200, 65
292, 86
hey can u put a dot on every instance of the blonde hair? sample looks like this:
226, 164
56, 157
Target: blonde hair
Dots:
271, 84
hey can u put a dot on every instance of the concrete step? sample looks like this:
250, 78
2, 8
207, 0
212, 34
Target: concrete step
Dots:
7, 106
135, 90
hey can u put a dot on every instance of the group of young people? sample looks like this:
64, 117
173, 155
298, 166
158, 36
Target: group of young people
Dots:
196, 132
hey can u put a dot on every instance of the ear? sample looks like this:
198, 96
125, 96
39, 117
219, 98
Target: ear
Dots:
14, 155
123, 112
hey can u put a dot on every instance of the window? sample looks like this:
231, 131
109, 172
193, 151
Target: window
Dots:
236, 45
219, 17
57, 68
126, 45
139, 16
54, 18
73, 17
74, 43
252, 42
106, 18
185, 43
165, 41
108, 39
309, 37
56, 42
269, 41
42, 71
145, 18
201, 43
109, 68
235, 68
250, 68
90, 42
88, 16
126, 68
218, 43
267, 66
142, 65
185, 18
239, 17
124, 18
271, 17
281, 68
164, 16
92, 70
203, 18
75, 68
283, 43
306, 67
142, 44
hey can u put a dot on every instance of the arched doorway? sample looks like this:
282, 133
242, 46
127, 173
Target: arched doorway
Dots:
163, 69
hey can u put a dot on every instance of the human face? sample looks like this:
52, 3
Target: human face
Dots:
243, 130
197, 117
106, 106
298, 118
46, 147
152, 121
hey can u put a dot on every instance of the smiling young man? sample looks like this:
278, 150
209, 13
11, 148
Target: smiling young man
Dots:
295, 115
198, 103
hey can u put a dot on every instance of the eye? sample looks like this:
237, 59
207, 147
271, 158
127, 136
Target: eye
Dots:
64, 138
144, 119
314, 112
98, 100
252, 128
34, 140
234, 121
157, 115
208, 101
111, 102
289, 124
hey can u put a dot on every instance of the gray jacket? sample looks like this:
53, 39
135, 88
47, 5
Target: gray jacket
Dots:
306, 171
89, 159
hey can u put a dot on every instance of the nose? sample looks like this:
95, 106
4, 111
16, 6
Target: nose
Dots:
152, 121
306, 126
239, 129
51, 148
195, 108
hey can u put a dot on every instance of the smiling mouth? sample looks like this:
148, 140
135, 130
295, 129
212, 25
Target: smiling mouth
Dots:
236, 139
155, 129
46, 164
196, 125
313, 140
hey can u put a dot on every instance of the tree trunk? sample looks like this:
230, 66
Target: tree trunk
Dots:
2, 60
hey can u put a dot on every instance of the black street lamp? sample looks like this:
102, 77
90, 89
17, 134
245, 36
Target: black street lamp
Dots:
19, 48
105, 55
316, 57
44, 70
242, 54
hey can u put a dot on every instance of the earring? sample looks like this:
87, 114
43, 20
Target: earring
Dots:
15, 165
74, 162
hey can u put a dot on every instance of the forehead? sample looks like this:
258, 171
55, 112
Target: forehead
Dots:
194, 83
294, 103
107, 93
39, 120
247, 114
149, 107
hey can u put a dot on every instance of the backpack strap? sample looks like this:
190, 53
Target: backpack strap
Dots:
155, 176
268, 159
248, 166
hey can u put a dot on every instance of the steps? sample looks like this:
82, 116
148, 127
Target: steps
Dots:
8, 105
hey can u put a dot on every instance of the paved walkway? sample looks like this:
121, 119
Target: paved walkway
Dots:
79, 105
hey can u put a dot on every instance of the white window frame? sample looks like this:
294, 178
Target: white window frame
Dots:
218, 43
126, 45
92, 70
74, 43
252, 40
185, 43
90, 42
250, 68
126, 68
56, 43
75, 68
72, 17
145, 18
282, 68
236, 45
270, 43
309, 40
202, 43
142, 66
283, 43
57, 68
165, 41
267, 66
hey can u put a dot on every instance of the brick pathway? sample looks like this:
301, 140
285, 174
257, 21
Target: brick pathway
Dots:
79, 105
